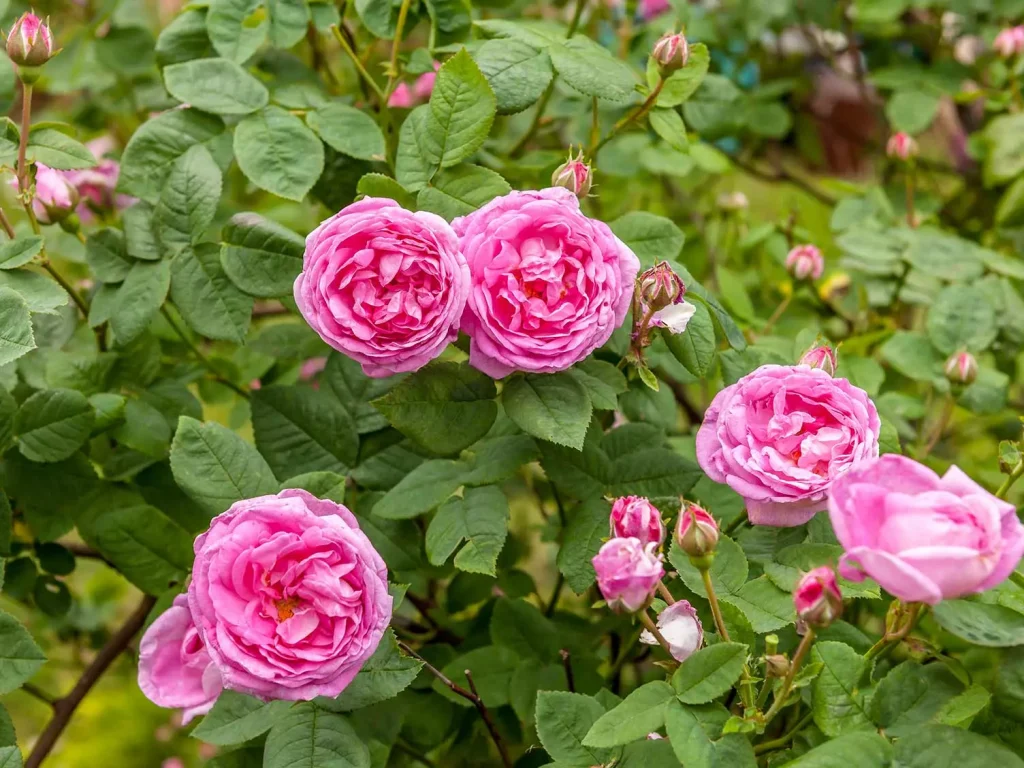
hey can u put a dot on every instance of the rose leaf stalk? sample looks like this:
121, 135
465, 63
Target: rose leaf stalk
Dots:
787, 682
1011, 478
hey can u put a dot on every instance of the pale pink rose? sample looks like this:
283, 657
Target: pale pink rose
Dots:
175, 669
549, 284
385, 286
923, 537
627, 573
55, 197
781, 435
901, 146
97, 186
1009, 42
817, 598
289, 595
820, 356
30, 42
635, 516
401, 97
681, 627
650, 8
805, 261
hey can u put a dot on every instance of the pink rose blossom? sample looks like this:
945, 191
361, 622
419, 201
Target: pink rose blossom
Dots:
650, 8
817, 598
385, 286
781, 435
681, 627
901, 146
627, 573
923, 537
289, 595
635, 516
97, 186
175, 669
404, 97
805, 261
1009, 42
55, 198
549, 284
401, 97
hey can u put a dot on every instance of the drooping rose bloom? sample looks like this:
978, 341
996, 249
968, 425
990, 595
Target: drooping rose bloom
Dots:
549, 284
97, 186
923, 537
635, 516
175, 669
55, 197
681, 627
817, 598
289, 595
385, 286
781, 435
627, 573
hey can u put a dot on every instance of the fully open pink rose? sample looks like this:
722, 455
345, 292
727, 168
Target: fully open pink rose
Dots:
627, 573
174, 668
781, 435
289, 595
383, 285
549, 284
635, 516
923, 537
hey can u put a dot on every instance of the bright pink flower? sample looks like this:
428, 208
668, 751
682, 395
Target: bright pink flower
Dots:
696, 530
962, 368
574, 174
172, 762
635, 516
680, 625
817, 598
401, 97
424, 85
175, 669
310, 368
289, 595
549, 284
385, 286
805, 261
820, 356
901, 146
55, 198
651, 8
1009, 42
97, 186
627, 573
923, 537
30, 42
781, 435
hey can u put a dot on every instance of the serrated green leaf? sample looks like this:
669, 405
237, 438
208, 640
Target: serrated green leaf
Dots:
462, 108
384, 675
563, 720
480, 519
16, 337
237, 28
260, 256
278, 153
553, 407
20, 657
309, 737
709, 672
51, 425
517, 72
216, 85
348, 130
189, 200
237, 718
640, 713
20, 251
838, 704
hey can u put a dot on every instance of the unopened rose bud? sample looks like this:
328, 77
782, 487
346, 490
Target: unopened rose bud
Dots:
696, 530
961, 368
671, 52
681, 627
660, 286
805, 262
820, 356
901, 146
574, 174
627, 573
817, 598
776, 665
55, 196
635, 516
30, 42
1009, 42
732, 202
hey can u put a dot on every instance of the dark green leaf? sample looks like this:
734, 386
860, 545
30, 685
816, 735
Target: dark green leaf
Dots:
219, 86
480, 519
278, 153
553, 407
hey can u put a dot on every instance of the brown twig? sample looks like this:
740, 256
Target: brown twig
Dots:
567, 663
64, 708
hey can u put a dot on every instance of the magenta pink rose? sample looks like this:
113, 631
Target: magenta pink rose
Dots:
289, 596
781, 435
175, 669
635, 516
923, 537
385, 286
627, 573
549, 284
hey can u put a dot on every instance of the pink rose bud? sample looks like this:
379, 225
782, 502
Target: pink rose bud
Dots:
424, 85
671, 52
401, 97
635, 516
30, 42
55, 195
679, 625
660, 286
817, 598
732, 202
805, 262
961, 368
820, 356
627, 573
696, 530
901, 146
1009, 42
574, 174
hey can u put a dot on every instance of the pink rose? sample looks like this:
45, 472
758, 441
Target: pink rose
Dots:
923, 537
817, 598
651, 8
805, 262
289, 596
55, 198
404, 97
1009, 42
175, 669
681, 627
384, 286
401, 97
627, 573
779, 437
97, 186
635, 516
549, 285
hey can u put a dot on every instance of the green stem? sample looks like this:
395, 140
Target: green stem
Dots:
779, 310
1011, 478
890, 640
787, 682
26, 124
403, 14
716, 610
358, 64
940, 427
632, 117
782, 741
665, 594
576, 16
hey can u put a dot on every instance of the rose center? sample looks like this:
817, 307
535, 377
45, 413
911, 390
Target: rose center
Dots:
286, 607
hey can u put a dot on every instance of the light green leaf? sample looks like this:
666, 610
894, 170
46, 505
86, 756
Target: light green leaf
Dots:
852, 750
682, 83
58, 150
278, 153
260, 256
695, 348
219, 86
151, 550
16, 336
107, 255
379, 185
461, 190
288, 21
462, 108
51, 425
237, 718
385, 674
140, 236
10, 757
20, 657
640, 713
668, 124
348, 130
415, 162
839, 706
961, 316
651, 237
480, 519
603, 382
20, 251
237, 28
553, 407
309, 737
943, 746
593, 70
912, 111
695, 734
709, 672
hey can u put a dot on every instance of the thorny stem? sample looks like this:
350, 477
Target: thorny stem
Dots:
787, 682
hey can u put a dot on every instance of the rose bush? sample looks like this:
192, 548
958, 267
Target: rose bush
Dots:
392, 384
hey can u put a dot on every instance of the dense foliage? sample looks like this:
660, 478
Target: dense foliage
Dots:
545, 447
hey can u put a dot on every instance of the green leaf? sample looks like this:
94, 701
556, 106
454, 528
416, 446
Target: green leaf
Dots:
348, 130
586, 532
16, 336
491, 666
138, 300
189, 200
912, 695
20, 251
355, 391
445, 407
260, 256
462, 108
563, 720
640, 713
652, 238
237, 28
219, 86
1004, 139
766, 607
517, 72
942, 746
431, 483
480, 518
151, 550
216, 467
603, 382
837, 703
300, 429
695, 348
208, 301
309, 737
10, 757
709, 672
793, 561
723, 321
852, 750
40, 291
961, 710
379, 16
695, 734
184, 38
379, 185
278, 153
668, 124
522, 628
415, 162
140, 236
20, 657
682, 83
553, 407
961, 316
593, 70
728, 569
237, 718
107, 256
288, 21
384, 675
51, 425
58, 150
461, 190
992, 626
912, 111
